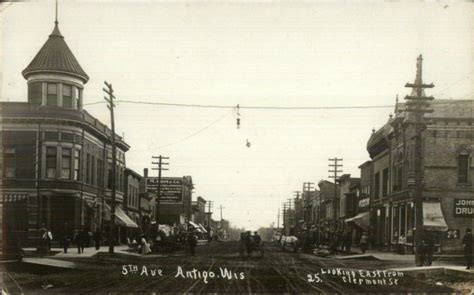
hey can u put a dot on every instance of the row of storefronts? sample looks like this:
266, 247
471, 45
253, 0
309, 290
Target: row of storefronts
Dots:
381, 201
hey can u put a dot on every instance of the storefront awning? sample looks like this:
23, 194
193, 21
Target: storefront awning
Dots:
361, 220
121, 217
203, 228
196, 227
433, 218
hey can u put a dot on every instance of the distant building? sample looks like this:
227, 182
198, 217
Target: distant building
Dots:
175, 205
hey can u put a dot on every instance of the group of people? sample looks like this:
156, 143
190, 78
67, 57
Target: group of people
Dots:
80, 237
163, 243
249, 243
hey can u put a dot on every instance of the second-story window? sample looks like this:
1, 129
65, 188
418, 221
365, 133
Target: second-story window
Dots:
66, 163
67, 96
52, 94
77, 161
51, 160
9, 162
385, 182
377, 185
463, 168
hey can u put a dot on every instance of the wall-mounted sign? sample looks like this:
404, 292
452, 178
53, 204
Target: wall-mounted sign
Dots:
463, 207
364, 203
171, 190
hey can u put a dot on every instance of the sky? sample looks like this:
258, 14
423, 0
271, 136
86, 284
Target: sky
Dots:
262, 54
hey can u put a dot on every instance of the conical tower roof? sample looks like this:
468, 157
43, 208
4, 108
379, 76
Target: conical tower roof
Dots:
55, 57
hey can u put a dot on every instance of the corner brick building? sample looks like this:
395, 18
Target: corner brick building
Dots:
447, 169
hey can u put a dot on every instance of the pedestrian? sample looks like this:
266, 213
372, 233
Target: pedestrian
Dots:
429, 249
77, 240
364, 242
98, 238
66, 238
421, 253
242, 244
192, 242
84, 237
401, 244
257, 238
145, 247
348, 241
467, 243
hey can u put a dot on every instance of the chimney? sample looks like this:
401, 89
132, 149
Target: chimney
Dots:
145, 172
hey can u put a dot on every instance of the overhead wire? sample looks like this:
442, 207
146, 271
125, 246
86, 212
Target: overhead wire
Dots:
247, 107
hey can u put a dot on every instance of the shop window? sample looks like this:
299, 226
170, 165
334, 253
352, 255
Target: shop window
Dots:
463, 168
52, 94
77, 161
66, 163
67, 96
51, 162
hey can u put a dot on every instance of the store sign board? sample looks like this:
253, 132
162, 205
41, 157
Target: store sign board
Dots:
171, 190
364, 203
463, 207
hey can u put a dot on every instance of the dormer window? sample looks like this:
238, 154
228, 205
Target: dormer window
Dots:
52, 94
68, 101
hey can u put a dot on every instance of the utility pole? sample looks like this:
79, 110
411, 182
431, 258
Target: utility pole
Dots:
297, 206
416, 106
335, 172
290, 216
307, 187
209, 206
220, 208
278, 219
111, 105
284, 219
160, 168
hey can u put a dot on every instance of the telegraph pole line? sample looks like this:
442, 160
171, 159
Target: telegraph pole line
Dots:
160, 168
297, 206
307, 187
278, 219
284, 218
111, 105
336, 165
220, 208
416, 106
209, 206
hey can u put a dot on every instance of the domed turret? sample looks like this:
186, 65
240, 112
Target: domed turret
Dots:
55, 77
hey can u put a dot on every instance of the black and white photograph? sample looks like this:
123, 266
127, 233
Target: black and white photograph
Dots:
236, 147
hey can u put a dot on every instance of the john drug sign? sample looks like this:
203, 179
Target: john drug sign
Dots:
464, 207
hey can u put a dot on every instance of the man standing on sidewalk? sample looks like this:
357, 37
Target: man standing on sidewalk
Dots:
467, 243
97, 238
